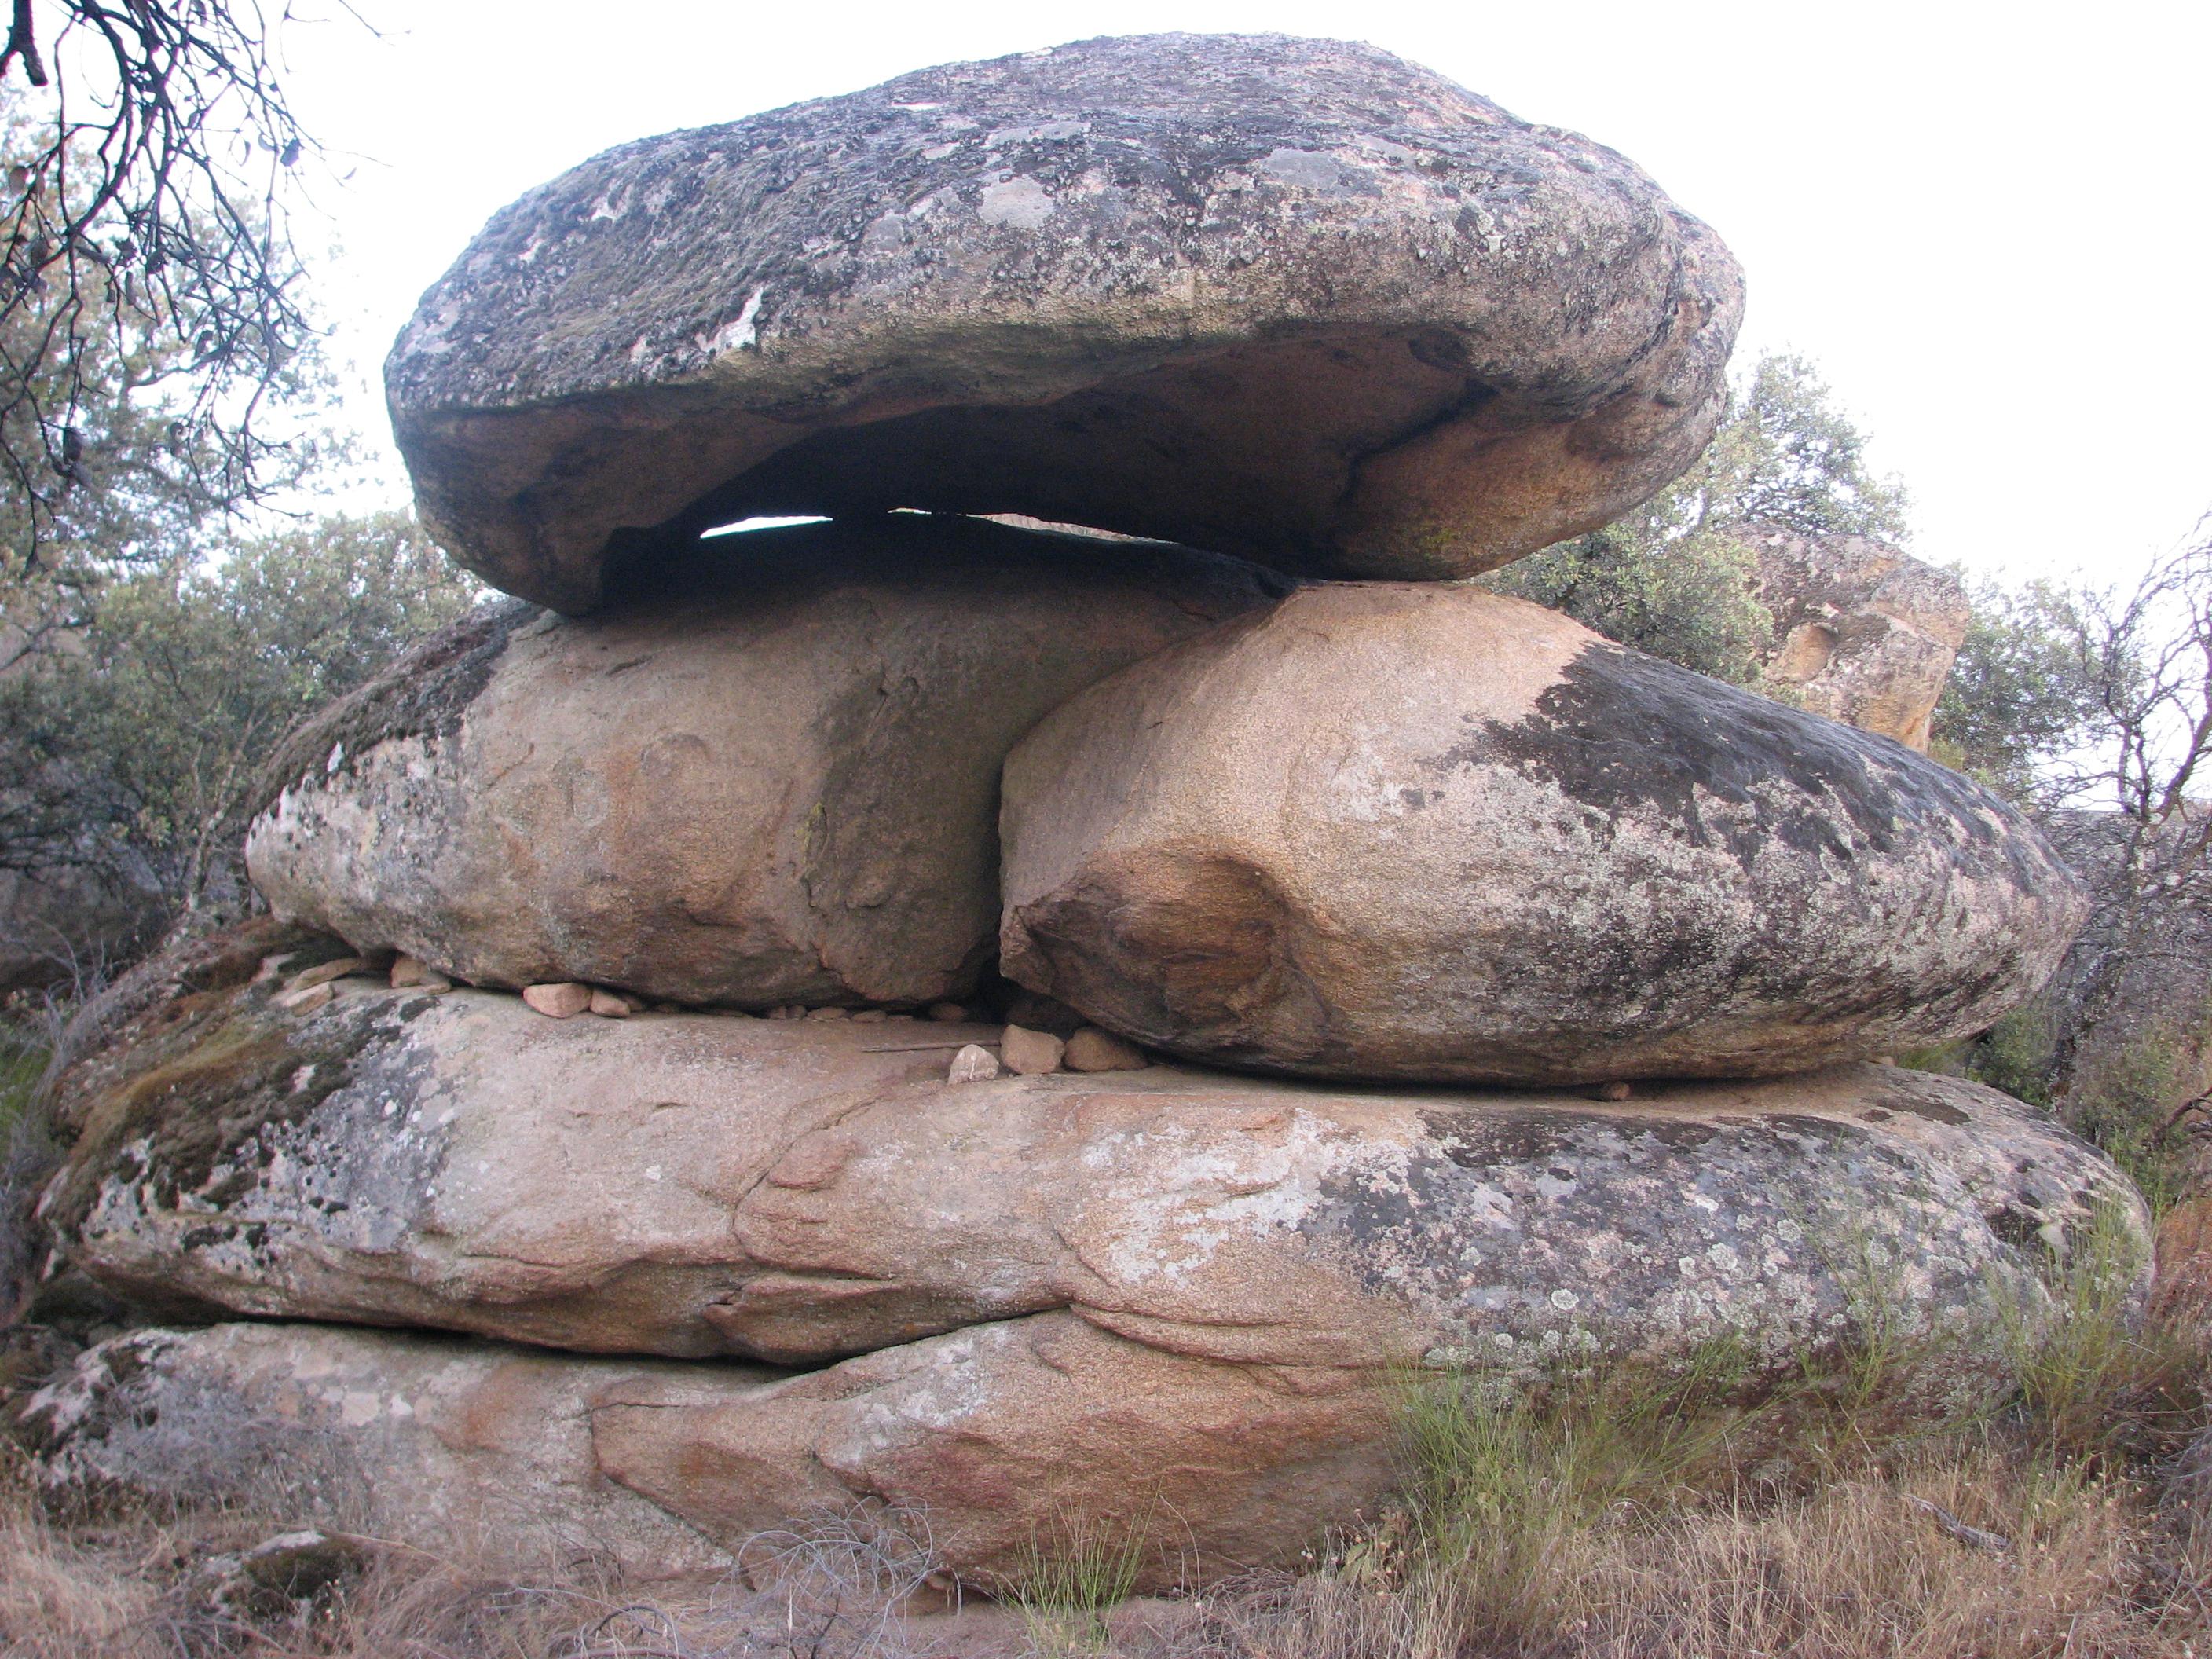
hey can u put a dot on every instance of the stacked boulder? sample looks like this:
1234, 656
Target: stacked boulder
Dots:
1206, 978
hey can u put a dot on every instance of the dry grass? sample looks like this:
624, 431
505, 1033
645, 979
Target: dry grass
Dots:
1604, 1518
1855, 1570
135, 1585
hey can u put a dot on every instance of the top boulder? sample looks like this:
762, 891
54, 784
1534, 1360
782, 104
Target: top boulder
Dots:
1296, 299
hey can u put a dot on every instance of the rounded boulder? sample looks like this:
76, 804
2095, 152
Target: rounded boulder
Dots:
771, 778
1412, 831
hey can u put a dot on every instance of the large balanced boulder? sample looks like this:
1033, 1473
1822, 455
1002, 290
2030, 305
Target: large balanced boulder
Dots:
1400, 830
1864, 633
1167, 1298
772, 779
1296, 299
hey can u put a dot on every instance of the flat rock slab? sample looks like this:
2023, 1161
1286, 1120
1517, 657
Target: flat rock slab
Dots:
773, 780
1180, 1303
1296, 299
980, 1444
791, 1192
1408, 830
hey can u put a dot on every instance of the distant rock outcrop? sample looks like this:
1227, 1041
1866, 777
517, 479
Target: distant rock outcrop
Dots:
2132, 1003
1863, 633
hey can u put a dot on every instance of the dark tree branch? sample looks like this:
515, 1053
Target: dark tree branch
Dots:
22, 43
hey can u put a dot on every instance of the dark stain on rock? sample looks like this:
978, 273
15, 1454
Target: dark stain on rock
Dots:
1477, 1139
1926, 1106
1622, 732
1222, 948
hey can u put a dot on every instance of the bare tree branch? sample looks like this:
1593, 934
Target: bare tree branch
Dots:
152, 205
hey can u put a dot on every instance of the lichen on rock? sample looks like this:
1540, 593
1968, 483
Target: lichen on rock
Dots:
1299, 300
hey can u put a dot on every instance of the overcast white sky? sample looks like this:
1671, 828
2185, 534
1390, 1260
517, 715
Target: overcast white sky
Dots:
1989, 224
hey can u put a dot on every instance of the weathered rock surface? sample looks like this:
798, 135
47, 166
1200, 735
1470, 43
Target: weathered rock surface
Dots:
419, 1440
793, 1191
2129, 1010
1863, 633
1413, 831
1296, 299
1172, 1300
774, 780
994, 1437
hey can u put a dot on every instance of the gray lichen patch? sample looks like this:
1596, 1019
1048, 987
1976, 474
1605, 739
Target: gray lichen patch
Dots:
197, 1115
1296, 299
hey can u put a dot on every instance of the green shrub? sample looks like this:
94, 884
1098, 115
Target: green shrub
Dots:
2123, 1108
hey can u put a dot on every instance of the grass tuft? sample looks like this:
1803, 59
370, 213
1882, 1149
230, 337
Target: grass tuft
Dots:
1071, 1577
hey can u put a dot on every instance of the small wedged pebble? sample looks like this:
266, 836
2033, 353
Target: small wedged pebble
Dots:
563, 1000
1093, 1050
324, 973
305, 999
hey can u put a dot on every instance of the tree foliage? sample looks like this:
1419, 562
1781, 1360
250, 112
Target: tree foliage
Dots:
2092, 705
140, 738
2022, 692
144, 221
1675, 577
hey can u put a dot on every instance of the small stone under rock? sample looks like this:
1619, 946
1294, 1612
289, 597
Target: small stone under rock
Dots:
409, 972
325, 973
1030, 1054
829, 1013
306, 998
608, 1005
564, 1000
973, 1064
1093, 1050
